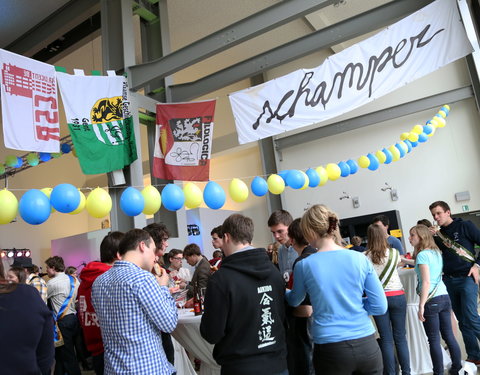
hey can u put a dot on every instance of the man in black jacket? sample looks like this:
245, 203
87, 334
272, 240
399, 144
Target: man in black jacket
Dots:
244, 310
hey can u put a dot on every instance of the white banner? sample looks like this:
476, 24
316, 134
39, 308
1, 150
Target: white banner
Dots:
29, 104
410, 49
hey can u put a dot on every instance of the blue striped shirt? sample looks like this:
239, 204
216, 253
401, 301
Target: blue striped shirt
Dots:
132, 309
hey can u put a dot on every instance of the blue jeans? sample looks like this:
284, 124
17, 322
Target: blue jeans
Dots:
463, 293
438, 321
359, 356
391, 327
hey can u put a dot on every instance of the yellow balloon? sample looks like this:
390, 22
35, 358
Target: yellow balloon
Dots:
81, 205
307, 180
441, 122
275, 183
395, 153
48, 192
413, 137
434, 122
8, 206
152, 198
363, 161
447, 107
334, 171
193, 195
404, 136
99, 203
417, 129
381, 156
442, 113
322, 172
433, 131
238, 190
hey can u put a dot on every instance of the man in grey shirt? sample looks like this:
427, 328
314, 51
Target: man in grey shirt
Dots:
58, 290
278, 223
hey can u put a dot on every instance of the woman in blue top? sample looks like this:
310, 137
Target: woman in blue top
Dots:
434, 308
336, 280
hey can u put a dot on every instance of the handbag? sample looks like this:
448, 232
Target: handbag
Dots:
57, 334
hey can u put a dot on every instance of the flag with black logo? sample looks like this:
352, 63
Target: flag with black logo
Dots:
183, 141
99, 121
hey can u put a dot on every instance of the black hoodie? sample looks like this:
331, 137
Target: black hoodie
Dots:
466, 234
245, 315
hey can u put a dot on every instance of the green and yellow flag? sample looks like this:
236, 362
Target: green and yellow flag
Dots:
99, 121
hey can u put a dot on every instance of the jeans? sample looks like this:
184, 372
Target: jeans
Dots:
438, 321
359, 356
463, 294
65, 358
391, 327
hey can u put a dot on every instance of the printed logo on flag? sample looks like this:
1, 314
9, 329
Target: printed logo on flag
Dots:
99, 121
184, 134
29, 102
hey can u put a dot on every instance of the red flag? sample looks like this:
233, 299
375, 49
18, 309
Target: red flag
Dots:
183, 141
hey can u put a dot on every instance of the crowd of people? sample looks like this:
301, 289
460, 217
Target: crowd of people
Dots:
301, 306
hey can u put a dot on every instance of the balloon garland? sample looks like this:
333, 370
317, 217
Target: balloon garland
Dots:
36, 206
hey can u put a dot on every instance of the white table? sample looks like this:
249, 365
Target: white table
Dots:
188, 335
420, 360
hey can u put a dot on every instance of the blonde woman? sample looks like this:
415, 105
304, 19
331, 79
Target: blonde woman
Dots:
391, 325
434, 308
336, 279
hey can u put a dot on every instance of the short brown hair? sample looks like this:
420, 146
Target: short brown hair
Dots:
191, 249
218, 231
239, 227
158, 231
382, 218
132, 239
56, 263
109, 246
280, 217
442, 204
174, 252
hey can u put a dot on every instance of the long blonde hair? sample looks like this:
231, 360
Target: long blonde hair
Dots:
320, 221
377, 244
425, 237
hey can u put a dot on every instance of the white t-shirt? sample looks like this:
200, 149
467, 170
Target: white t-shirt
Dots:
394, 283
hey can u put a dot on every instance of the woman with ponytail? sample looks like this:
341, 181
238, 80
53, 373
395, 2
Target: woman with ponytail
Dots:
344, 290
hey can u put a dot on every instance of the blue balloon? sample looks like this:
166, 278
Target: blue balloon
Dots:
259, 186
389, 156
400, 149
34, 207
422, 137
353, 166
214, 196
344, 169
427, 129
313, 177
374, 163
444, 109
65, 198
409, 144
132, 202
283, 174
19, 162
438, 115
295, 179
172, 197
66, 148
44, 156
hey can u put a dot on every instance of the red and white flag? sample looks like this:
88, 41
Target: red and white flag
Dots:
29, 104
183, 141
